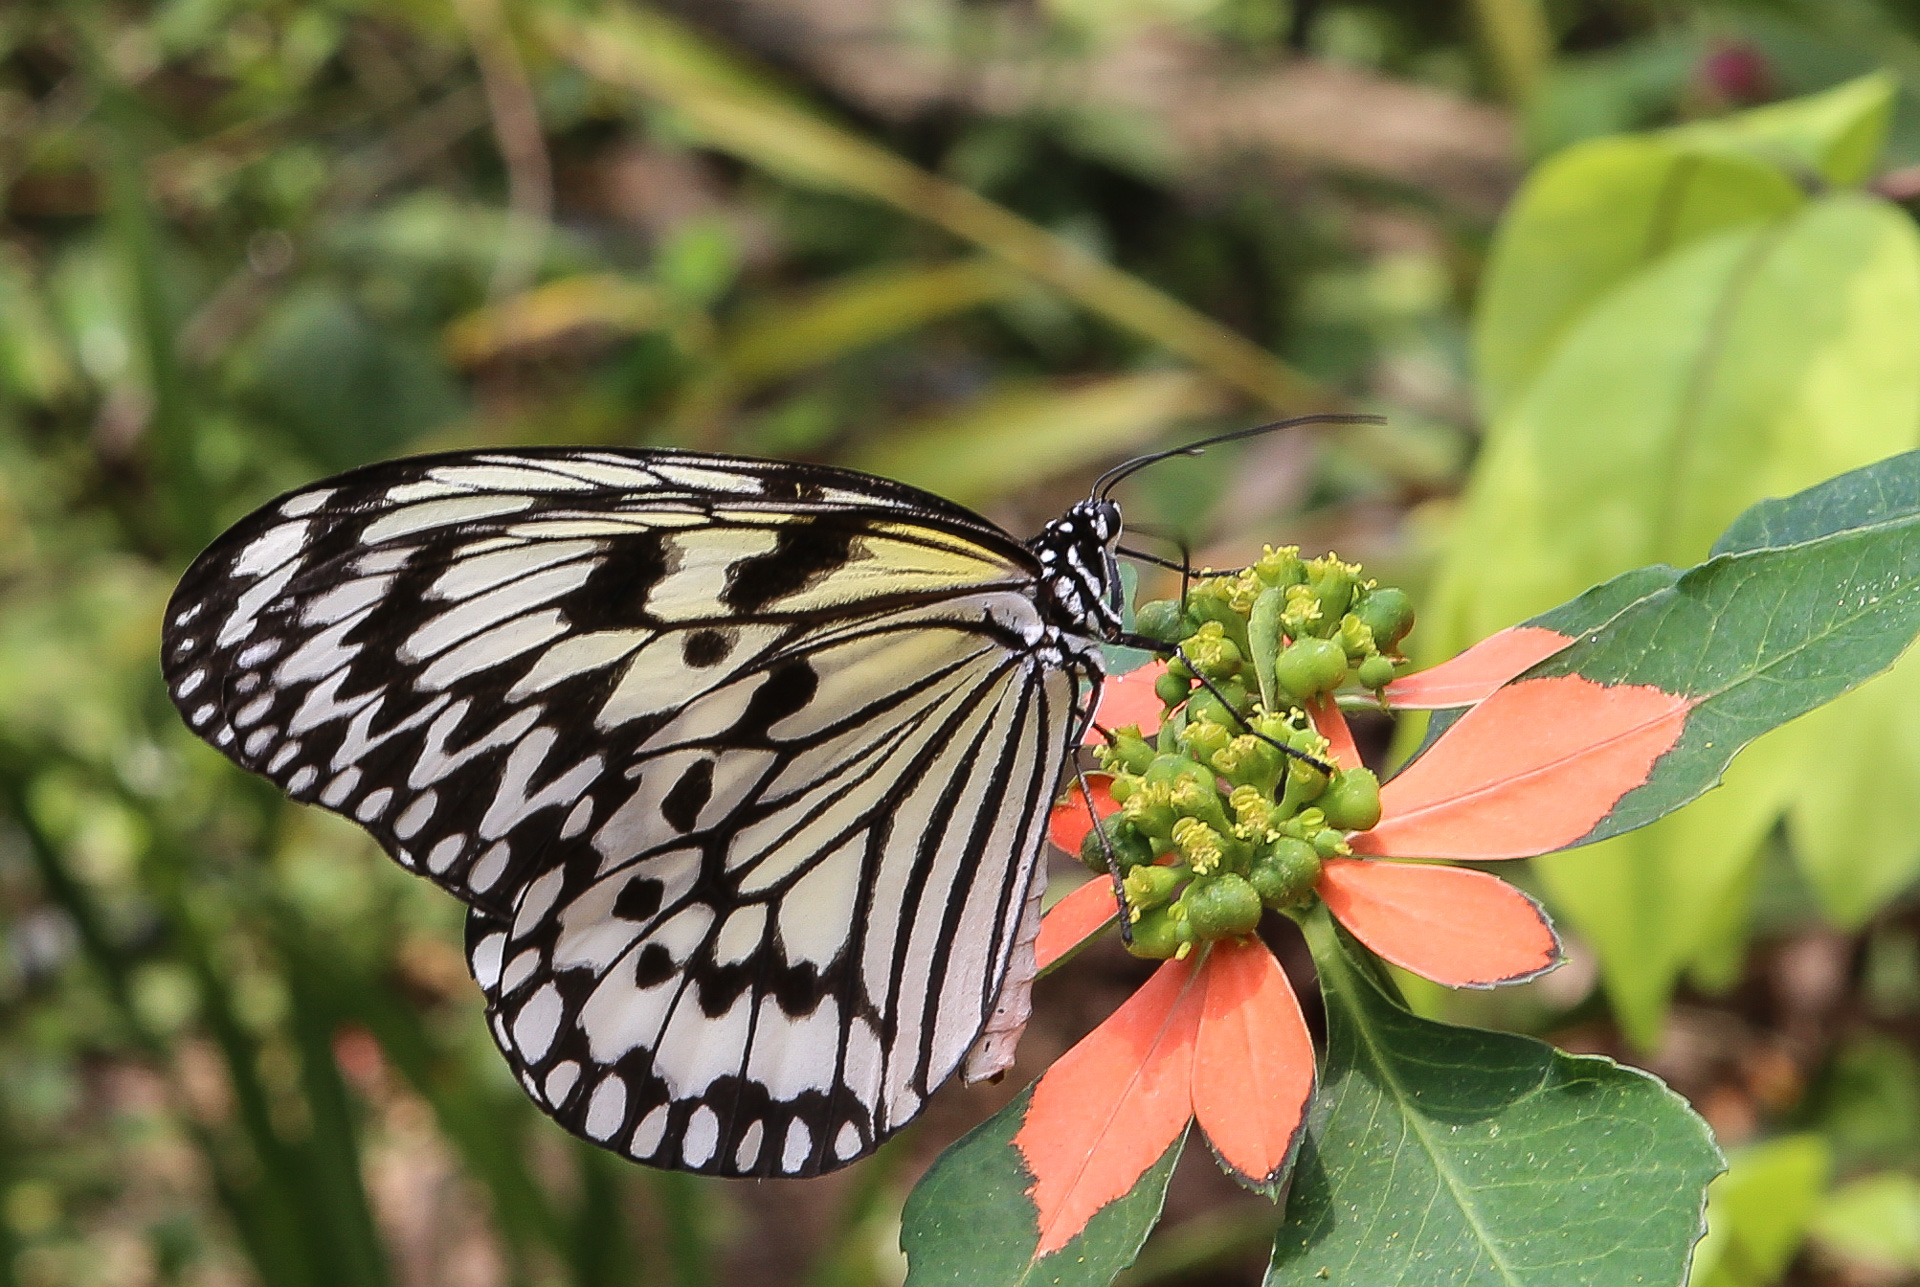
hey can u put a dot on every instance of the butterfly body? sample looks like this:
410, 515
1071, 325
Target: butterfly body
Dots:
741, 766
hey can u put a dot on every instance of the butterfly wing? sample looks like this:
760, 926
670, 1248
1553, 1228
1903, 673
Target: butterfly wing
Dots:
780, 988
546, 678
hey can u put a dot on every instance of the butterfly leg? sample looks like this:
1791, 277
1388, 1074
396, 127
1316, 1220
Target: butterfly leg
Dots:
1106, 847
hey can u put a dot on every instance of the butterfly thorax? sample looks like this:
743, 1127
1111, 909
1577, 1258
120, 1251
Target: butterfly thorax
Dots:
1079, 578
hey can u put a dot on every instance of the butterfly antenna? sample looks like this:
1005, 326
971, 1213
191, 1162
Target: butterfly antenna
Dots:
1104, 485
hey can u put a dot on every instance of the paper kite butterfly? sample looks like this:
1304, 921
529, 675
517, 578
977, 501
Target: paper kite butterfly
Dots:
742, 767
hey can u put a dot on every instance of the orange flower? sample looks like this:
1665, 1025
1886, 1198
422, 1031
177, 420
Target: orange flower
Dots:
1218, 1037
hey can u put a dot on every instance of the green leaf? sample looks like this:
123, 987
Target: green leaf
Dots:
1836, 135
1875, 1220
1758, 1212
1753, 362
970, 1223
1438, 1154
1753, 640
1589, 220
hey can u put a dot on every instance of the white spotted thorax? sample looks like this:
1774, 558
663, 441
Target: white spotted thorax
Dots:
742, 767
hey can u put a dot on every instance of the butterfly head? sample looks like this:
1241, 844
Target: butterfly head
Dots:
1079, 575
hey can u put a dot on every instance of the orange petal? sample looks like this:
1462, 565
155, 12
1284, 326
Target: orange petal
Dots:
1130, 699
1332, 725
1069, 822
1252, 1063
1073, 920
1531, 769
1475, 673
1111, 1106
1463, 928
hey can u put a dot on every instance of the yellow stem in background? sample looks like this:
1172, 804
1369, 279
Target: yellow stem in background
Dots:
1519, 43
651, 54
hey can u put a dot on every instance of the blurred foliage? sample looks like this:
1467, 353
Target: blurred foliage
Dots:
983, 246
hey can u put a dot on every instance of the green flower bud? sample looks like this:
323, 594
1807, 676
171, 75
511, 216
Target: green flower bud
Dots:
1352, 800
1284, 871
1304, 785
1151, 813
1161, 619
1172, 689
1199, 801
1202, 840
1329, 843
1375, 672
1220, 906
1204, 705
1354, 638
1301, 617
1162, 934
1203, 738
1214, 655
1388, 612
1310, 667
1280, 567
1248, 762
1169, 769
1333, 586
1150, 887
1129, 751
1130, 848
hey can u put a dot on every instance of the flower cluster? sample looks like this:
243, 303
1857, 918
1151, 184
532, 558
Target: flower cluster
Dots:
1237, 803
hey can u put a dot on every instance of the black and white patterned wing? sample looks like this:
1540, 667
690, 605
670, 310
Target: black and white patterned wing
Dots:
779, 987
538, 675
453, 651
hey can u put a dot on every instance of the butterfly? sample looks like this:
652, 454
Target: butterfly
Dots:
741, 767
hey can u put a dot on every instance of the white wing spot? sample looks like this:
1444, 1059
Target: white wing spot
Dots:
374, 805
444, 851
799, 1146
749, 1150
847, 1143
253, 711
254, 654
259, 740
302, 778
204, 713
187, 687
492, 866
560, 1081
267, 552
519, 970
416, 815
440, 513
538, 901
486, 961
340, 788
578, 820
608, 1107
701, 1138
283, 756
305, 502
537, 1023
648, 1134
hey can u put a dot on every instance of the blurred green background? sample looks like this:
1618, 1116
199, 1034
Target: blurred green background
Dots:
984, 246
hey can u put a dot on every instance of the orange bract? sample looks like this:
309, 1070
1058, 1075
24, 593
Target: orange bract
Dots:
1110, 1107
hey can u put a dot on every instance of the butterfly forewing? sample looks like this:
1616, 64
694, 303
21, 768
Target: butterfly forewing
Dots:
742, 766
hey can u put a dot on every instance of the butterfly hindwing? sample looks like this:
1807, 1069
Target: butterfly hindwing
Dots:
742, 766
779, 991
